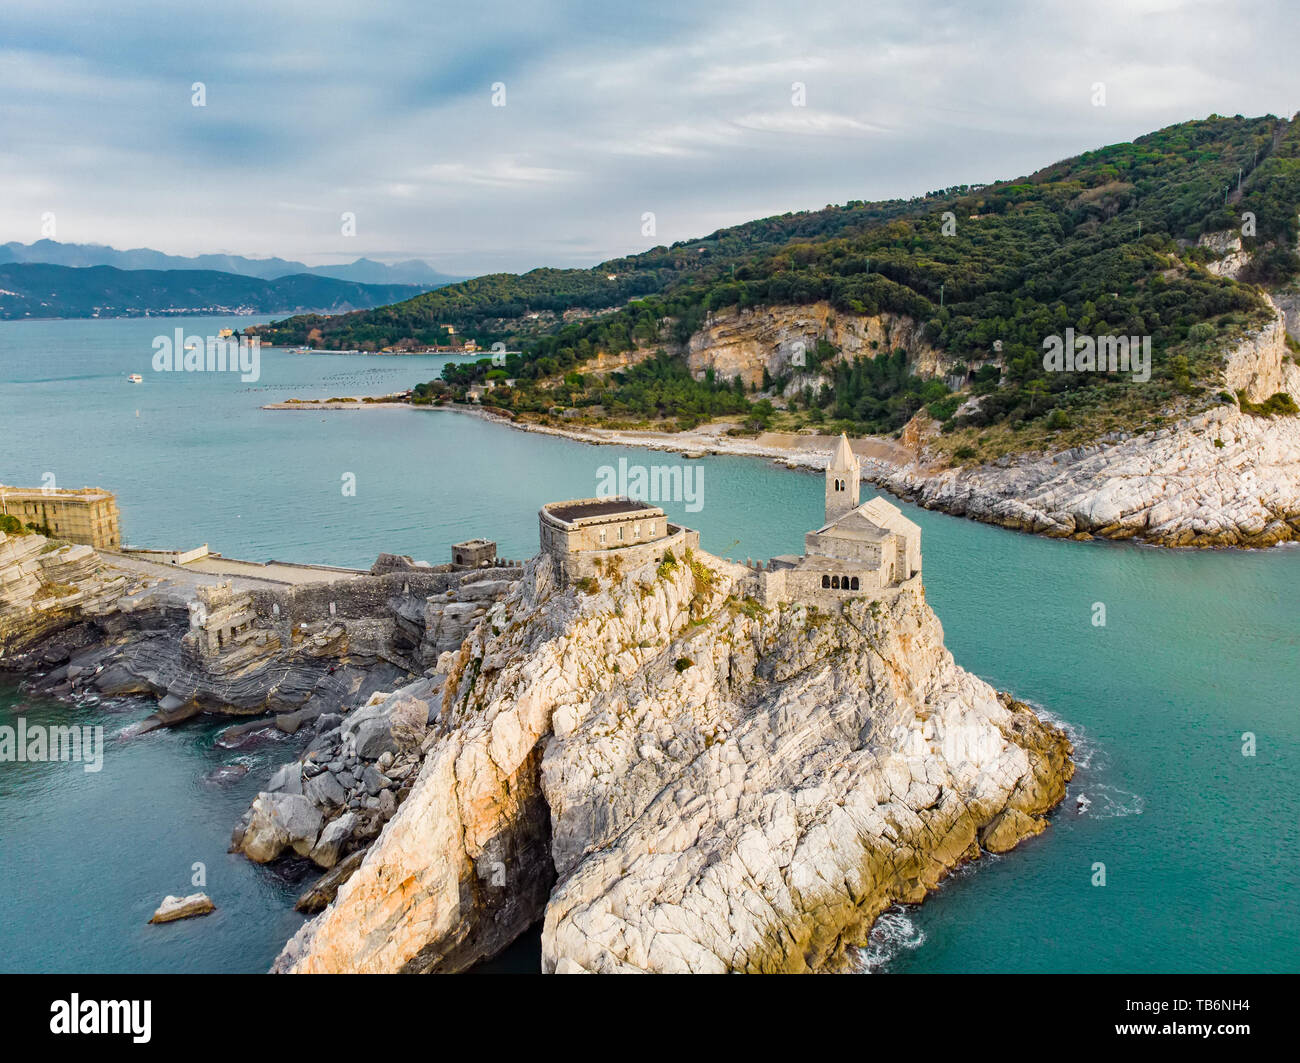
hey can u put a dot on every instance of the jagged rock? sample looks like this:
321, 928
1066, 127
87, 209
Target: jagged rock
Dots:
290, 722
390, 725
333, 839
326, 790
173, 908
373, 781
322, 893
278, 822
1220, 478
1009, 829
328, 721
287, 779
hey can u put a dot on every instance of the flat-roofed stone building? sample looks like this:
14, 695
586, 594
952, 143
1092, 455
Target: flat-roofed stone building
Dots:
584, 534
474, 552
88, 516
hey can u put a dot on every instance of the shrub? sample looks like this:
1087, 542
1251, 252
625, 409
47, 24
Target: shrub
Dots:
1277, 403
683, 663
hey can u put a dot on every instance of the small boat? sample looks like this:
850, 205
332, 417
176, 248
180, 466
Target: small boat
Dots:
191, 346
136, 378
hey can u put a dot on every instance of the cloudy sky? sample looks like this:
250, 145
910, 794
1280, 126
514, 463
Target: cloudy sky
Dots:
612, 109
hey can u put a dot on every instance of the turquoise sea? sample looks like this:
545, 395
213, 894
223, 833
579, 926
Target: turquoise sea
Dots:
1199, 843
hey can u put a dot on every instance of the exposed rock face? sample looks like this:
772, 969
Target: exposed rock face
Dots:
710, 786
46, 586
1230, 258
94, 624
743, 343
1221, 478
1261, 364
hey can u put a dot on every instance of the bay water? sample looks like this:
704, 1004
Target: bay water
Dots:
1195, 841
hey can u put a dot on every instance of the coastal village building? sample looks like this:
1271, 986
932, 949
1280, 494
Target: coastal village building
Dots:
88, 516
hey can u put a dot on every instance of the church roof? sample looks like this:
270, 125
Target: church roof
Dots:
854, 525
874, 520
843, 458
887, 515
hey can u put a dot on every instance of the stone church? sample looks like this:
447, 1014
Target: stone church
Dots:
862, 548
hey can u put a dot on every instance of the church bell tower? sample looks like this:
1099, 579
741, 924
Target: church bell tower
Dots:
842, 481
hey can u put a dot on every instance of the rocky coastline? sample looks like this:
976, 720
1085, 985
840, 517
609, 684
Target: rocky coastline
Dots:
667, 775
1224, 477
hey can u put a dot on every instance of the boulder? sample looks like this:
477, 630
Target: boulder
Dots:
325, 790
287, 779
333, 839
1009, 829
173, 908
279, 821
390, 726
322, 894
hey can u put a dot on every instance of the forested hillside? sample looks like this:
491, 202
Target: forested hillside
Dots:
1104, 243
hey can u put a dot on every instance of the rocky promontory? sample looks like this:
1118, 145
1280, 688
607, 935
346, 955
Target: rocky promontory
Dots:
673, 778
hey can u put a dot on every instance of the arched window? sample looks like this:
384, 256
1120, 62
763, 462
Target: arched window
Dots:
826, 581
835, 583
854, 585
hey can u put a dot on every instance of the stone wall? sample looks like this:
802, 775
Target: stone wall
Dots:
591, 563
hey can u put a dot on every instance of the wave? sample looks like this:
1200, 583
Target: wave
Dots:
1103, 801
893, 933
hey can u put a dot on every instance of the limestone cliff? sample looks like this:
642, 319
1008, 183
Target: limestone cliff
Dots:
678, 779
743, 343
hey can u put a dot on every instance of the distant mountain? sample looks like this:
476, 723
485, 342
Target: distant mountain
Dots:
362, 271
31, 290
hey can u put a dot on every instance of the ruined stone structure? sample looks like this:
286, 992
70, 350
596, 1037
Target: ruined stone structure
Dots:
88, 516
474, 552
583, 535
224, 633
867, 549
